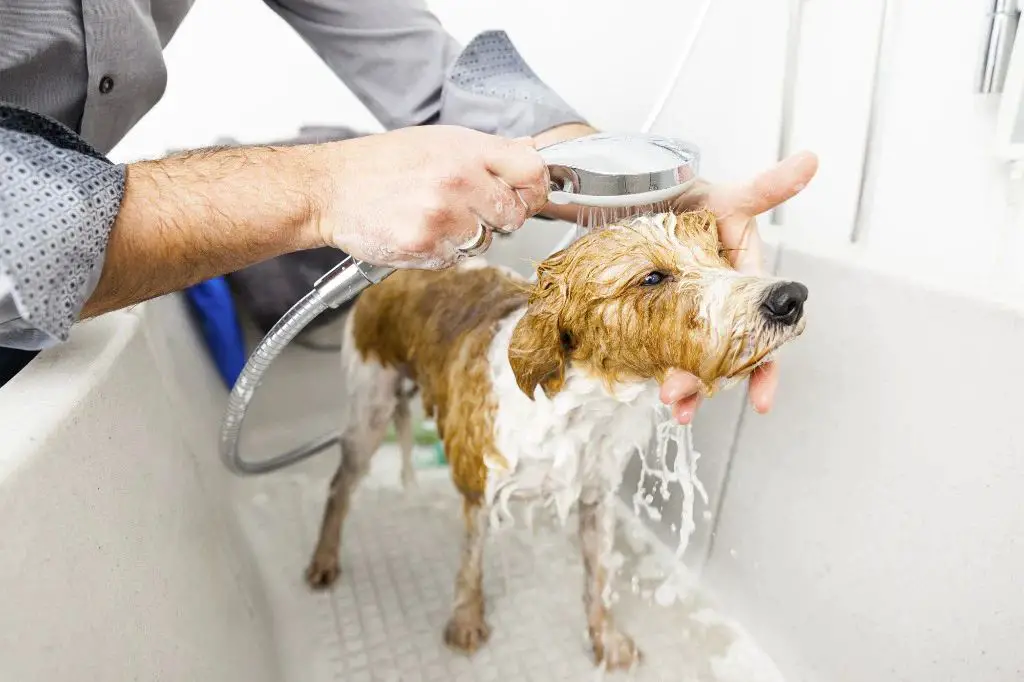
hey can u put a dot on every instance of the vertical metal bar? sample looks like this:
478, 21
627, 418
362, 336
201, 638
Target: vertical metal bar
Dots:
789, 79
867, 164
997, 47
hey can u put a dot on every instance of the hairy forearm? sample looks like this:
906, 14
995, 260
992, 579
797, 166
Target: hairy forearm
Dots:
198, 215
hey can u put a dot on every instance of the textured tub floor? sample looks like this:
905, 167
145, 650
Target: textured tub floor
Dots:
383, 619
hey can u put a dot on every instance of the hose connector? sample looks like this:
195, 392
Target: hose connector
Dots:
347, 279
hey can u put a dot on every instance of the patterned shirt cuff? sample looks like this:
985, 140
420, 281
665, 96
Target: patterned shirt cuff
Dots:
58, 201
492, 89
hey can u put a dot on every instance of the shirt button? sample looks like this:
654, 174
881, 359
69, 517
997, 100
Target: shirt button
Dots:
106, 85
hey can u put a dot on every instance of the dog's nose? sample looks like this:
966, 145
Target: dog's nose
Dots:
785, 303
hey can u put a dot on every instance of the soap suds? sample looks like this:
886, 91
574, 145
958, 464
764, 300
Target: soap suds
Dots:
682, 471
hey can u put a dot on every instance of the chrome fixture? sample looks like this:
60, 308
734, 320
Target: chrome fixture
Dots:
1000, 33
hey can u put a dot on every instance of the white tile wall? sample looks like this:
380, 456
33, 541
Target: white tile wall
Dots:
871, 525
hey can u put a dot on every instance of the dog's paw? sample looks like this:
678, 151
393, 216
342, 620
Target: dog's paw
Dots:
323, 572
466, 633
614, 650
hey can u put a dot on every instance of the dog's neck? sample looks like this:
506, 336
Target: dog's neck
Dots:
570, 445
581, 387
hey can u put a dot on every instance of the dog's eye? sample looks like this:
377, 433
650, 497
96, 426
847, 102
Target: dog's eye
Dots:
653, 279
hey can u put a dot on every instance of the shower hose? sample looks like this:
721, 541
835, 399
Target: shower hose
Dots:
344, 281
339, 285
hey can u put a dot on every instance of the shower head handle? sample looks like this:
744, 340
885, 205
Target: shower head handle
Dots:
617, 170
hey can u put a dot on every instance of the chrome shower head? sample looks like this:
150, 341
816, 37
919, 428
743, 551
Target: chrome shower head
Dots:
609, 170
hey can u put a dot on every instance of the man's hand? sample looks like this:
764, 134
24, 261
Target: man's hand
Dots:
410, 197
736, 208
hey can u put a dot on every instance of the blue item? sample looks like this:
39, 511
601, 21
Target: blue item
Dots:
213, 305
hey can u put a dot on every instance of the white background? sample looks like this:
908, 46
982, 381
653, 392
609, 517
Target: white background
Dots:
940, 205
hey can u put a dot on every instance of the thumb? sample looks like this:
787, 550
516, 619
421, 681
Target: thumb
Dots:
678, 385
774, 186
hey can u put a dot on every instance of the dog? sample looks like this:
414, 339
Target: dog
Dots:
545, 390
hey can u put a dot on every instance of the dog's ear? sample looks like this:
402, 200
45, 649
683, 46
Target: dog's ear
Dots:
539, 348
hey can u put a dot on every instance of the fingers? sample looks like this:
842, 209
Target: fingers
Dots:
493, 185
678, 385
695, 197
681, 390
684, 410
763, 383
497, 205
521, 167
446, 235
774, 186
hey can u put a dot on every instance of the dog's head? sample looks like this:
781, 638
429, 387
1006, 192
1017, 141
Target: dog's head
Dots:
636, 299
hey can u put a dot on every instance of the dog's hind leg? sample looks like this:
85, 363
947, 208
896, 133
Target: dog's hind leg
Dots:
404, 432
467, 629
612, 648
324, 567
374, 401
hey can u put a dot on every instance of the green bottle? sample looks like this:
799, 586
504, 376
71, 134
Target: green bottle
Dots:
427, 435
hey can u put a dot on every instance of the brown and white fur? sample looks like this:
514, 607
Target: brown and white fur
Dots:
544, 390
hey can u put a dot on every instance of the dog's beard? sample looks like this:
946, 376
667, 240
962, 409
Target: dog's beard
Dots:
754, 349
763, 343
748, 346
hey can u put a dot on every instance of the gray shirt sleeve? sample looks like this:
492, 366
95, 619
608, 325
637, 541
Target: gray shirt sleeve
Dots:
407, 70
58, 201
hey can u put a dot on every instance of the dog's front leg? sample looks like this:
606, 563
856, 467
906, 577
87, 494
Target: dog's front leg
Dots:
467, 629
612, 649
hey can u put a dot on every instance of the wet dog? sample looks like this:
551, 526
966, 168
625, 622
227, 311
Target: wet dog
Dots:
544, 390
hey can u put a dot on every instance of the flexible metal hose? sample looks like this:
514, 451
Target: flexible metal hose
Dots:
301, 314
342, 283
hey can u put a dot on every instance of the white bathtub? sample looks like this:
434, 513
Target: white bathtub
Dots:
866, 530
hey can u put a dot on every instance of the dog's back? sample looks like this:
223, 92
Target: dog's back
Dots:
416, 320
431, 328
